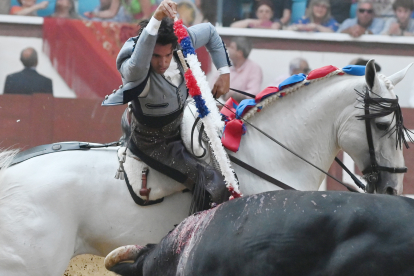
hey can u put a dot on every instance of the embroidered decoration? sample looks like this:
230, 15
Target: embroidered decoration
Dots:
208, 112
235, 128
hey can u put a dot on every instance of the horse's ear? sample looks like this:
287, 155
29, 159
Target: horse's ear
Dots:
397, 77
371, 74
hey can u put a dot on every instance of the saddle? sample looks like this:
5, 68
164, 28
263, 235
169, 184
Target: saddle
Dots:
147, 183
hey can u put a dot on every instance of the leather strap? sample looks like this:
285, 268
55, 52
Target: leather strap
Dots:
144, 191
199, 138
243, 93
137, 199
260, 173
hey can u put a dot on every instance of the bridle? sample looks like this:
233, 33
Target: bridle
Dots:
382, 107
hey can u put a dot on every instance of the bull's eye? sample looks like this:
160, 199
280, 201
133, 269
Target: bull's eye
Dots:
382, 126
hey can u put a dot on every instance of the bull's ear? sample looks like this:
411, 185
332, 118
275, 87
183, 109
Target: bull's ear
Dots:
397, 77
371, 77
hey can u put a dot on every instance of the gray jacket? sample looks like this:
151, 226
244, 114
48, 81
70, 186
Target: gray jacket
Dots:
163, 98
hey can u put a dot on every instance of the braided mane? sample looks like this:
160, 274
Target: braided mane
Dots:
287, 91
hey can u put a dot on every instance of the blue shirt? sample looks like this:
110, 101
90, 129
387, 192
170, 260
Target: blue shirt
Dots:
376, 26
331, 23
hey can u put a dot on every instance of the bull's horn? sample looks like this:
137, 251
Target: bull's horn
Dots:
122, 254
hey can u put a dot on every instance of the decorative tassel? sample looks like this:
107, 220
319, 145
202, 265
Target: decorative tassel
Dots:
208, 112
120, 172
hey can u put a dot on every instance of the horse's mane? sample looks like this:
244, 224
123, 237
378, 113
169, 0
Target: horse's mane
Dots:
286, 91
379, 107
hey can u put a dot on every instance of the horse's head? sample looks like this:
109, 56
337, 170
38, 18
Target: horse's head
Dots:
374, 134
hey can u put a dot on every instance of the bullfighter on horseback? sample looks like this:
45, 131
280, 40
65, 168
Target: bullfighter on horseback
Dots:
154, 85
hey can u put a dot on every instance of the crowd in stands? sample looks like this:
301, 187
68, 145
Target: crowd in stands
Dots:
354, 17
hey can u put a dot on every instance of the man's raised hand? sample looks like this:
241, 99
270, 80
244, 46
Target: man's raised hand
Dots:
167, 8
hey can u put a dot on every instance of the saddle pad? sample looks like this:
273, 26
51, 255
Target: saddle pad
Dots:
56, 147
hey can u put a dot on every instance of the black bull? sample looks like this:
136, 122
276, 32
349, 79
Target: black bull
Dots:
288, 233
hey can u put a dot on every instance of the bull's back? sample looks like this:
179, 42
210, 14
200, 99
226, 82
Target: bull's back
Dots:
307, 233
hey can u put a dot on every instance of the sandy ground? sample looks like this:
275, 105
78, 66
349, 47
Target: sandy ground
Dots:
87, 265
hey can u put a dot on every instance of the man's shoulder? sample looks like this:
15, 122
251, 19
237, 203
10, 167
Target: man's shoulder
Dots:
43, 77
252, 63
15, 75
377, 20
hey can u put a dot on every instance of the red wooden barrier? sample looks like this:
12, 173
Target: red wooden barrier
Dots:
28, 121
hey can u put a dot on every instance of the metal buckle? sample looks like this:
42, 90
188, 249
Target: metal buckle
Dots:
372, 177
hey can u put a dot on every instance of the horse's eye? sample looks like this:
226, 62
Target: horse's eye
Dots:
382, 126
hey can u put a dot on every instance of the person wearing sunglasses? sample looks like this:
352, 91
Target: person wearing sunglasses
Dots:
364, 23
402, 24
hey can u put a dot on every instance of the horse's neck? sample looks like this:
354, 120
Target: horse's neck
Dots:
306, 121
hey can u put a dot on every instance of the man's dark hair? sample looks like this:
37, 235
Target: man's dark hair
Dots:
165, 32
29, 57
408, 4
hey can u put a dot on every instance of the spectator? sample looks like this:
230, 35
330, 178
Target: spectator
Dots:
317, 19
296, 66
339, 9
28, 81
402, 24
264, 14
245, 75
123, 10
364, 23
282, 10
4, 7
28, 7
383, 8
65, 9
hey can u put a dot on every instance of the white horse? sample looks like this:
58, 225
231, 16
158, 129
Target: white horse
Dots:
56, 206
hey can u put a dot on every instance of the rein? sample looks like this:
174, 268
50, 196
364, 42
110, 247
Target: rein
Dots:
254, 170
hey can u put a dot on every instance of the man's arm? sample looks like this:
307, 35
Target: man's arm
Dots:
135, 66
134, 63
206, 35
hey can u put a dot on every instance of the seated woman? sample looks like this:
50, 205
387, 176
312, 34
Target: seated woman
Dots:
28, 7
317, 19
264, 15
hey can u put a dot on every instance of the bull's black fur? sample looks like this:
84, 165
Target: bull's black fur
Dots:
295, 233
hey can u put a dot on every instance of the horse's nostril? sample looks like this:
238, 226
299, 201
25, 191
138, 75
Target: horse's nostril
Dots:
390, 191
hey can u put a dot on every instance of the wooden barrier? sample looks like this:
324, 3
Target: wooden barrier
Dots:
28, 121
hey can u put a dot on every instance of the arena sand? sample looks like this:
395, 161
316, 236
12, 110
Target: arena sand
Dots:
87, 265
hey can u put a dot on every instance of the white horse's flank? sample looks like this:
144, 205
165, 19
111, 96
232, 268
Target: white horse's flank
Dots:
56, 206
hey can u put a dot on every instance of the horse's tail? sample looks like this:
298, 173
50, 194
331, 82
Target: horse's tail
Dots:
6, 157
